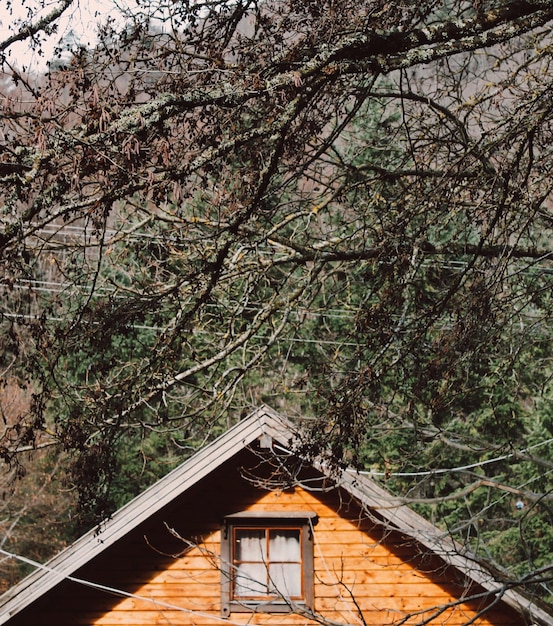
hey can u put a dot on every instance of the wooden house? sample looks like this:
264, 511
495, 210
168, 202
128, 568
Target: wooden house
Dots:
244, 532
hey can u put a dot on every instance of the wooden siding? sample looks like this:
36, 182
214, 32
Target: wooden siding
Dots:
359, 567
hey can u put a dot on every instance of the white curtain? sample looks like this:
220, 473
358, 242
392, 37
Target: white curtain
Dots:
268, 563
251, 563
285, 562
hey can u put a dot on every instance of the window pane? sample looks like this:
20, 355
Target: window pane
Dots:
250, 580
286, 579
284, 545
250, 545
267, 564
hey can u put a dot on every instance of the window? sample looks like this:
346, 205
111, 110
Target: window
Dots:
267, 561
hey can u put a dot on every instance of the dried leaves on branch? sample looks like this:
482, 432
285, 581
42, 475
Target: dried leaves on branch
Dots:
339, 207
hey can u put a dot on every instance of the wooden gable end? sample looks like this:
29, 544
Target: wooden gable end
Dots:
169, 567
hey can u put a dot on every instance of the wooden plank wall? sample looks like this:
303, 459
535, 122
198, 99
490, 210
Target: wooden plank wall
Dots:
363, 575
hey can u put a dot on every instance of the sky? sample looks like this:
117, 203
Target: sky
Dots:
82, 20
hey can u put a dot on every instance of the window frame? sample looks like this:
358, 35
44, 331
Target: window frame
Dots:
304, 521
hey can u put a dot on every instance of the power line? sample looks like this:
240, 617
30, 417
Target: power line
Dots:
58, 287
430, 473
198, 331
460, 468
115, 591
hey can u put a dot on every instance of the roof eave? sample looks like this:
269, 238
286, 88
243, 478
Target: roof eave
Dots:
263, 421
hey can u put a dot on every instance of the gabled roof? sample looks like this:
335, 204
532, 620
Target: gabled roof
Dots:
263, 422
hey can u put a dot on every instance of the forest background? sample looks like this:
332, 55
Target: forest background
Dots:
342, 209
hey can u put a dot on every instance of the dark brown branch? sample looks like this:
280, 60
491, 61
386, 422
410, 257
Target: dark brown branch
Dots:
30, 30
427, 249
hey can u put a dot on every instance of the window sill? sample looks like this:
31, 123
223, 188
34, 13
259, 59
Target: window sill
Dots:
271, 606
